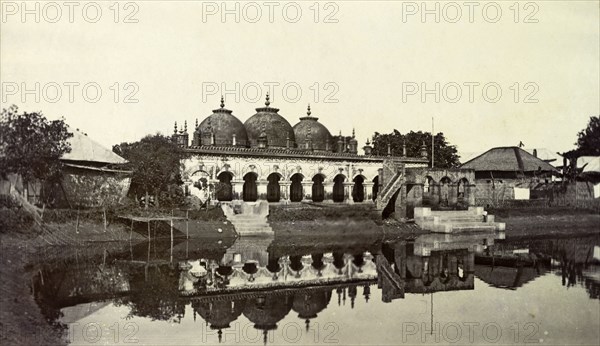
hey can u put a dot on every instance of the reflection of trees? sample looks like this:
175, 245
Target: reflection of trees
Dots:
575, 256
155, 293
573, 273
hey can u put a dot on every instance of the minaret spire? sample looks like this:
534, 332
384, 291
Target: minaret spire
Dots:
308, 110
222, 102
175, 128
267, 102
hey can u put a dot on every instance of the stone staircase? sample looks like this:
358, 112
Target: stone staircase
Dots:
454, 221
391, 168
384, 197
250, 219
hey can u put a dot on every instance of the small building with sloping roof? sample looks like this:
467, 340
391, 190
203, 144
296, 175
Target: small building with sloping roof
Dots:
92, 176
506, 173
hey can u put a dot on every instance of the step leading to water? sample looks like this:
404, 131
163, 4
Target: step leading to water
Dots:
454, 221
251, 219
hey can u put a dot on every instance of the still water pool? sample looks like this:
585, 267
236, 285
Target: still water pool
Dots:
433, 289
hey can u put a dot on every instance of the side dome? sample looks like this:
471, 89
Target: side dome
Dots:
267, 122
311, 134
223, 125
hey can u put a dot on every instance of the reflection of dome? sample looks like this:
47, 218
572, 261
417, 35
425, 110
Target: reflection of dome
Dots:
277, 129
219, 313
310, 129
266, 311
224, 125
309, 304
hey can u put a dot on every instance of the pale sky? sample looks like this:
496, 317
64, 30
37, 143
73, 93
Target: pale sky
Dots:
368, 57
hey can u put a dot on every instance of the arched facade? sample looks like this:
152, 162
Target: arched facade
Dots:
266, 159
442, 188
286, 180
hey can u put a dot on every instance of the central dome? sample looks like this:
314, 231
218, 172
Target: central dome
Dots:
310, 129
267, 121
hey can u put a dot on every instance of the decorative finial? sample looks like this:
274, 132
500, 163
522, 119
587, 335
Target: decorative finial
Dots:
175, 128
196, 123
368, 143
222, 102
308, 111
353, 132
340, 133
185, 126
267, 103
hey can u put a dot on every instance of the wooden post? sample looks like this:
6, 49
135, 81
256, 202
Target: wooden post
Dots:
148, 260
77, 222
187, 221
171, 240
104, 215
131, 230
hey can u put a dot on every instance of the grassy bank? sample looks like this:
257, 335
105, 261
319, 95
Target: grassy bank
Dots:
547, 222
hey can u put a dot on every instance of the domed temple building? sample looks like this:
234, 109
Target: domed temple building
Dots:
266, 158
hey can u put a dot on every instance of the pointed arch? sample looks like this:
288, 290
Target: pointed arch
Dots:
296, 194
358, 189
375, 189
338, 188
318, 189
224, 190
250, 190
273, 188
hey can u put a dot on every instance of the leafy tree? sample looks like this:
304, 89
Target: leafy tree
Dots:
445, 154
156, 164
31, 145
588, 139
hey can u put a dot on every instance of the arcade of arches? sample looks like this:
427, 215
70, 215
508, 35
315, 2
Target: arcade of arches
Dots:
342, 181
297, 189
283, 180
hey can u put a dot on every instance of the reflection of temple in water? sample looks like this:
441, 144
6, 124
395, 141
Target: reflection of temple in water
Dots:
267, 279
431, 263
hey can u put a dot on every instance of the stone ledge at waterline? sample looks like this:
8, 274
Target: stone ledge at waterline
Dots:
249, 218
452, 221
